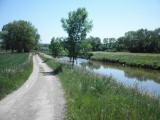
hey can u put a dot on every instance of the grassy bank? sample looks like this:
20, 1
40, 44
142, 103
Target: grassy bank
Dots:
144, 60
91, 97
14, 71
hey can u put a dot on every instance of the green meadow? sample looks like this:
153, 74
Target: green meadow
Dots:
14, 71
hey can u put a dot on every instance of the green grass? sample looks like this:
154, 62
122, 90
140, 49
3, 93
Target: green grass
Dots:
14, 71
144, 60
91, 97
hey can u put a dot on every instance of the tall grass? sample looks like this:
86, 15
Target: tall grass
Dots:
14, 70
92, 97
144, 60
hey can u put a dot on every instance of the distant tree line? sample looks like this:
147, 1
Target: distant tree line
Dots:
19, 36
142, 40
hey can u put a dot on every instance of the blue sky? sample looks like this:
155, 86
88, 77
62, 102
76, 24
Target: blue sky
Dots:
111, 18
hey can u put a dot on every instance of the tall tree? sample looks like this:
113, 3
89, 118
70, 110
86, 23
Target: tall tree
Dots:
20, 36
77, 26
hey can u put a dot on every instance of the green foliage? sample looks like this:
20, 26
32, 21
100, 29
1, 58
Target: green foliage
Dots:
120, 46
20, 36
144, 60
141, 40
110, 43
56, 47
85, 47
95, 43
77, 26
14, 70
91, 97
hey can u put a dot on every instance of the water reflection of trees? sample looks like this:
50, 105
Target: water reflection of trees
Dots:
136, 75
91, 65
143, 75
130, 72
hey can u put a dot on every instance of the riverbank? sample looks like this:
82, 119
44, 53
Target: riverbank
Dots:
144, 60
14, 71
98, 98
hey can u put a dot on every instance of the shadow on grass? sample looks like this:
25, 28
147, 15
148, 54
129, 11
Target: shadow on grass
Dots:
57, 70
46, 60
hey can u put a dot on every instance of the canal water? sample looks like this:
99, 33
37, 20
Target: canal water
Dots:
143, 79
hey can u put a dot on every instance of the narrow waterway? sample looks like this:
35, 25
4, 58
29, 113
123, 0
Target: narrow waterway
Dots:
143, 79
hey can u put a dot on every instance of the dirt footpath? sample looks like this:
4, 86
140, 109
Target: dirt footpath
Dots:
40, 98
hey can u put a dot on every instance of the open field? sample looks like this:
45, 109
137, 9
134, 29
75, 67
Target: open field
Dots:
91, 97
14, 70
144, 60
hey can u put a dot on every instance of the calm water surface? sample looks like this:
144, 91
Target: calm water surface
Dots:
143, 79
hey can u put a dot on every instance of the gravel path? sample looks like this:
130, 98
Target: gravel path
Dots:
40, 98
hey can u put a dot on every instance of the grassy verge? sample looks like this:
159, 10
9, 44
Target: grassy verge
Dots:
144, 60
14, 71
91, 97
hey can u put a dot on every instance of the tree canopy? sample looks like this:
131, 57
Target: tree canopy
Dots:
142, 40
77, 26
20, 36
